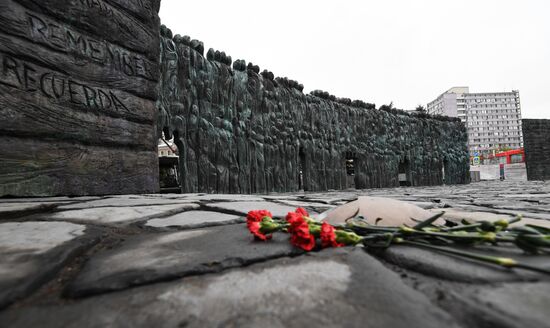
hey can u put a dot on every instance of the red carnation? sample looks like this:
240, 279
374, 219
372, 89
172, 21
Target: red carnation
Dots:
257, 216
300, 235
293, 217
298, 214
254, 227
302, 211
307, 244
328, 236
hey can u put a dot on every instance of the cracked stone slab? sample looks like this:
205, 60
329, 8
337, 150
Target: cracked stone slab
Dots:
120, 215
195, 219
454, 268
524, 213
243, 208
172, 195
511, 305
14, 210
334, 288
31, 252
11, 208
457, 215
160, 256
306, 204
525, 196
519, 305
331, 199
225, 197
125, 201
281, 196
62, 199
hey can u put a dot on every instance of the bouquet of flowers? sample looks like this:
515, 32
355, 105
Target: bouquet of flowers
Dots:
305, 232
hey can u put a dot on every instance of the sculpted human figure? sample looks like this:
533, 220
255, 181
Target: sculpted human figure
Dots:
242, 156
318, 165
281, 176
253, 161
183, 74
163, 121
168, 83
290, 160
337, 167
269, 163
205, 166
222, 161
327, 168
178, 126
260, 160
213, 139
325, 171
307, 169
279, 167
193, 148
171, 70
226, 77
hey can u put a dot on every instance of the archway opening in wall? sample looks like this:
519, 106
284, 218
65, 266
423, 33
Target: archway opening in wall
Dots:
351, 161
169, 170
404, 173
302, 167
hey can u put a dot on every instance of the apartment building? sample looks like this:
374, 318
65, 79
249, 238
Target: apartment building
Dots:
493, 119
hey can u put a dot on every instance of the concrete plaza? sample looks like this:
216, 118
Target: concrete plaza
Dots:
187, 260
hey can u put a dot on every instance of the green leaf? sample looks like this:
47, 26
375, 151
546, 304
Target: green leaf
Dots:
428, 221
540, 229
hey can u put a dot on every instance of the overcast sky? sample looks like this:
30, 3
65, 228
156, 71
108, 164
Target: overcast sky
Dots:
404, 51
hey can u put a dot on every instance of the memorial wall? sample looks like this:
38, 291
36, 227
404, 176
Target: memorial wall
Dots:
241, 130
78, 83
536, 140
87, 87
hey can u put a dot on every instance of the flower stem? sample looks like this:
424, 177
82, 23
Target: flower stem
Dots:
502, 261
471, 236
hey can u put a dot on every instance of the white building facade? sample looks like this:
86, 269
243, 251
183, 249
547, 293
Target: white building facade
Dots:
167, 148
493, 119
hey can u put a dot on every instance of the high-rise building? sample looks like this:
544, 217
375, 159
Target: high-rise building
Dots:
493, 119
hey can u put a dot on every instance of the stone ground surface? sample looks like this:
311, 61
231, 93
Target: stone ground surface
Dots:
188, 261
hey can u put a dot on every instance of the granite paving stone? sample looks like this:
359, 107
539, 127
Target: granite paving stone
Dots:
281, 196
524, 213
30, 252
514, 305
334, 288
331, 198
307, 204
456, 216
195, 219
454, 268
120, 215
61, 199
225, 197
277, 210
11, 210
160, 256
506, 305
172, 195
18, 207
125, 201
